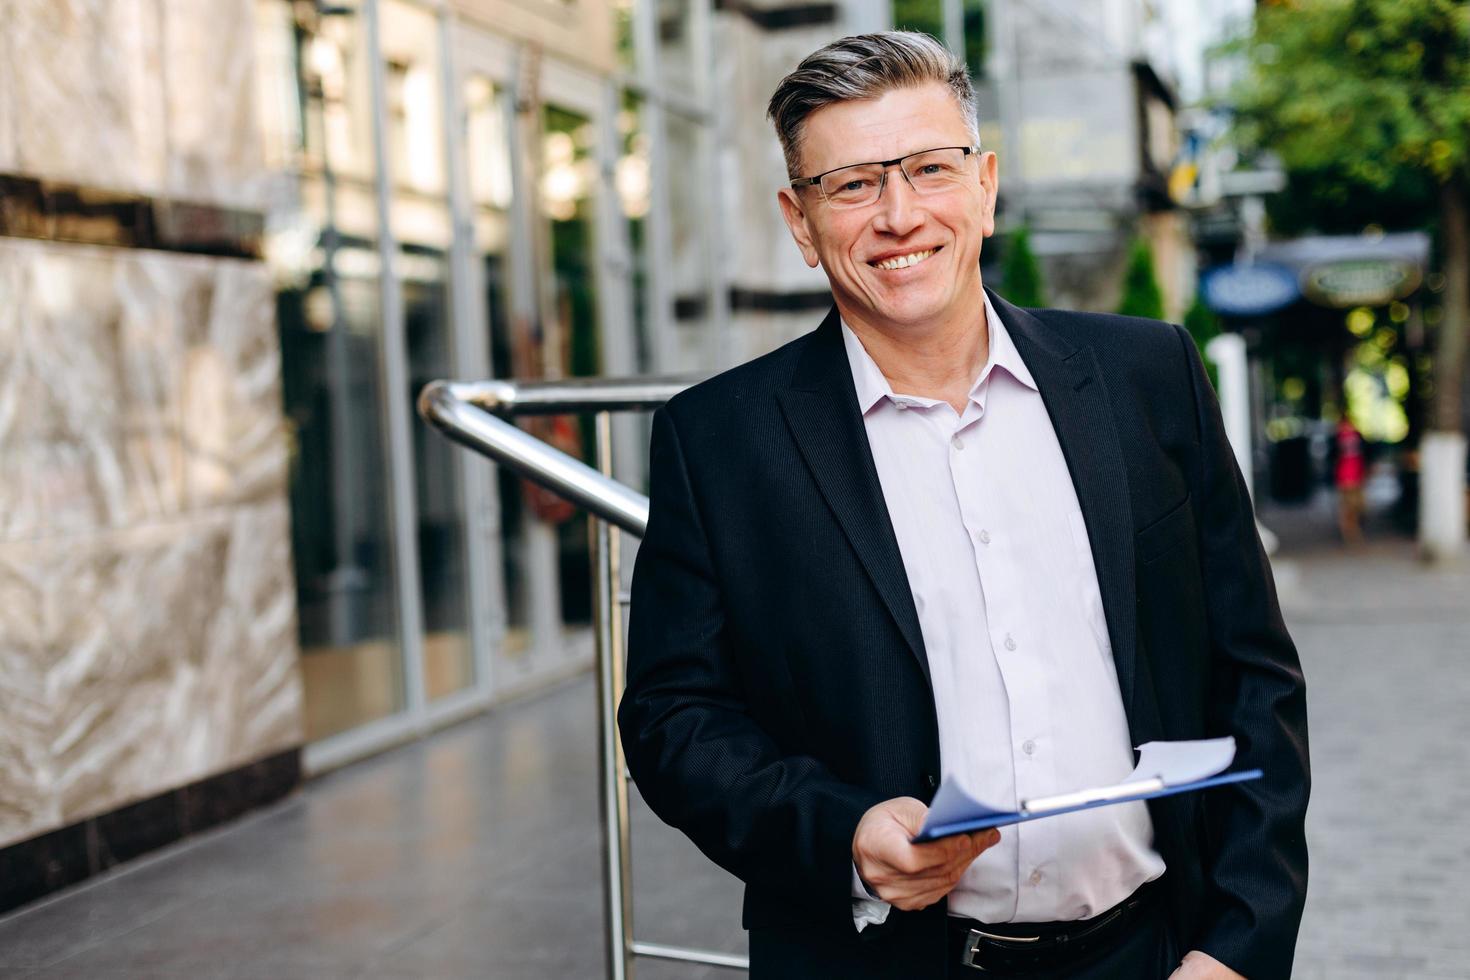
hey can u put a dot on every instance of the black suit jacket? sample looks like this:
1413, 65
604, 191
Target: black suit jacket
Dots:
777, 685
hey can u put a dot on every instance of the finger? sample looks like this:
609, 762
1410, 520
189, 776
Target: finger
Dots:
912, 859
906, 885
909, 884
921, 900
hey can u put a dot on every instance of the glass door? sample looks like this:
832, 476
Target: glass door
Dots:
530, 135
420, 210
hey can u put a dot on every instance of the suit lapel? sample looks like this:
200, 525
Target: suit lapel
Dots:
1076, 398
821, 408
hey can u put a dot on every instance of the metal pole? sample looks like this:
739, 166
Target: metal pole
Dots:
395, 386
617, 876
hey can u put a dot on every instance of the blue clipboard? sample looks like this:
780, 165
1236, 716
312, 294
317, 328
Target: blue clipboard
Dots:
1091, 800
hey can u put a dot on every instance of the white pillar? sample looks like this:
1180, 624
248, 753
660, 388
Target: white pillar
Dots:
1442, 495
1227, 351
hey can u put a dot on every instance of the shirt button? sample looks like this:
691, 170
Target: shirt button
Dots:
1035, 878
1028, 746
1010, 643
984, 537
901, 406
957, 442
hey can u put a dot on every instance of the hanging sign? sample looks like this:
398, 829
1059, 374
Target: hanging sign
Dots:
1249, 290
1347, 283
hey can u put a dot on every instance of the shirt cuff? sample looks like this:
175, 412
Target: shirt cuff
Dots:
867, 909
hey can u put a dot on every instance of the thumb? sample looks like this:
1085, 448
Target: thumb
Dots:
909, 813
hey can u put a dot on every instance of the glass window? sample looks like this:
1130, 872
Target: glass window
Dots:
919, 15
975, 37
423, 230
689, 203
322, 249
488, 118
633, 181
415, 111
676, 49
570, 344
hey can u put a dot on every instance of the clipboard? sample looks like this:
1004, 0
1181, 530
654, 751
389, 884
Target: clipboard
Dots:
1164, 769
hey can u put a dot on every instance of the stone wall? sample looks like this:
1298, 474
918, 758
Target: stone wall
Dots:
147, 608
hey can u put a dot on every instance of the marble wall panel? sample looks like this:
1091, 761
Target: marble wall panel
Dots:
140, 385
233, 424
59, 333
88, 103
214, 141
7, 91
25, 798
142, 659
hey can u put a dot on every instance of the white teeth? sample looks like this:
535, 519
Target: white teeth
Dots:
904, 261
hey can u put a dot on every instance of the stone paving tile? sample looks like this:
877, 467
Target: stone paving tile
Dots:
1385, 646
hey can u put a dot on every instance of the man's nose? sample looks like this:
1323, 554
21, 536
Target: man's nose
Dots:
897, 212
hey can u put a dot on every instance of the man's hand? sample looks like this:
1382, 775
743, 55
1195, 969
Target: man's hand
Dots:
911, 876
1202, 966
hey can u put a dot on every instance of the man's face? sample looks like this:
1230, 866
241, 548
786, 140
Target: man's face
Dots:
848, 243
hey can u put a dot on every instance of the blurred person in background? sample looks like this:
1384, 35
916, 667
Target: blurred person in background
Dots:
942, 536
1348, 475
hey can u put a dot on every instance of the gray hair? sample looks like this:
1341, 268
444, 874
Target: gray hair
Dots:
865, 66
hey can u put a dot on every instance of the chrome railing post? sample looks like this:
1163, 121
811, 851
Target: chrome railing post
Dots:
617, 872
466, 412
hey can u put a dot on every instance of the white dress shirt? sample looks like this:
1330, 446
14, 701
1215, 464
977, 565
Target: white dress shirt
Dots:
1026, 693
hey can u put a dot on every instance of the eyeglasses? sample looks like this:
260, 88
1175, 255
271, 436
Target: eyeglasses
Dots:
860, 184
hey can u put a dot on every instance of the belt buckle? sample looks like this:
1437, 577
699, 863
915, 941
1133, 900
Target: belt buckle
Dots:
975, 937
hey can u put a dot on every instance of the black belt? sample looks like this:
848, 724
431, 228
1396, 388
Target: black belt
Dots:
1023, 948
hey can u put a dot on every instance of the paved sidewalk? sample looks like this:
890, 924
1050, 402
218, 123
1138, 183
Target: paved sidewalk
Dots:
475, 853
1385, 645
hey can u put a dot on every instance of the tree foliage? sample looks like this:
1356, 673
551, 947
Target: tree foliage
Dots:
1364, 88
1375, 93
1141, 295
1022, 273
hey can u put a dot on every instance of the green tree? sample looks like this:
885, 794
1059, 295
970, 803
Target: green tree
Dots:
1020, 271
1377, 92
1141, 295
1203, 326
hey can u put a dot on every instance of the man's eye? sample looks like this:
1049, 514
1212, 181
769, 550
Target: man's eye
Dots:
854, 185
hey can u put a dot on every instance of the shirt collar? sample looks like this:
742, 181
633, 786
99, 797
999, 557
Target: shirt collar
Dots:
872, 386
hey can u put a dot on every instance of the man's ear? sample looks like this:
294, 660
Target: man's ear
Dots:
795, 216
990, 187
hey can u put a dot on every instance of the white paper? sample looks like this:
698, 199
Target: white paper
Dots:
1183, 762
1174, 763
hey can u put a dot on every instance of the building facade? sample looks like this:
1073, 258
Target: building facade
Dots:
238, 236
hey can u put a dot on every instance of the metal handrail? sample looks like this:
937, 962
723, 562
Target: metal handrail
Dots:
568, 395
459, 409
463, 411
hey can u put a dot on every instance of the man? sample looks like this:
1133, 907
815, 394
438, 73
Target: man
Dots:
941, 536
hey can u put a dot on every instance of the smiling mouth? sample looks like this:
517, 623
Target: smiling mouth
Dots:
905, 261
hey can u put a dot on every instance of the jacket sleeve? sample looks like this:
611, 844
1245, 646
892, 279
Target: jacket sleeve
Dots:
703, 764
1255, 859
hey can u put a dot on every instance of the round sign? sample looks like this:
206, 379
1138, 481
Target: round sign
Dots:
1249, 290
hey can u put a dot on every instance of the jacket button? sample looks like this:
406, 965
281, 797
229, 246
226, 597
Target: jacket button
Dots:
931, 780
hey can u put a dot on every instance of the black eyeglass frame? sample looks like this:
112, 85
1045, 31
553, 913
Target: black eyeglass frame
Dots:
885, 164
